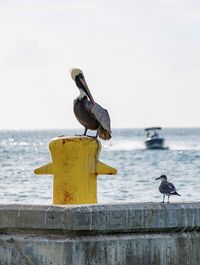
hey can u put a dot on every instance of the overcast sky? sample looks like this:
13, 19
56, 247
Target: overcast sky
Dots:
141, 60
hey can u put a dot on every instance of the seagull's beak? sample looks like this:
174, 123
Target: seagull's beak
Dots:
86, 89
157, 178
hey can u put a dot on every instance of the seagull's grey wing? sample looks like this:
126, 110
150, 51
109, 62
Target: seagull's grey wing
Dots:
102, 116
172, 188
172, 185
167, 187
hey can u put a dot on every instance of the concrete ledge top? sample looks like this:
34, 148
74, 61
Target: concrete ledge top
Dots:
102, 218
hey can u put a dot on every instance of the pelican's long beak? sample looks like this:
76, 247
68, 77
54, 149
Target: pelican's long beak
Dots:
87, 91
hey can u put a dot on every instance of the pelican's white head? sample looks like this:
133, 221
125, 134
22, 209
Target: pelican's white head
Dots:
81, 84
75, 72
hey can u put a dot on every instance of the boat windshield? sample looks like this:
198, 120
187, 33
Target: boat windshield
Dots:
152, 133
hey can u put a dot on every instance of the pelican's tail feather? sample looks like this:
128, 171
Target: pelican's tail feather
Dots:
103, 134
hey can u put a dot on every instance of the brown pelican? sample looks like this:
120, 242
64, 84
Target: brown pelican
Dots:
91, 115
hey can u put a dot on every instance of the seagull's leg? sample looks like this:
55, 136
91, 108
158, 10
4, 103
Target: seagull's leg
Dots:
163, 198
168, 199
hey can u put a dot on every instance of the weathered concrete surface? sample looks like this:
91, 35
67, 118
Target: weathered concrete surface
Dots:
136, 233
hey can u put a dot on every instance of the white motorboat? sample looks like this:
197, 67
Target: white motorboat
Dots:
153, 140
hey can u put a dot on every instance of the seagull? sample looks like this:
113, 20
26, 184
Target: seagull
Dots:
90, 114
166, 188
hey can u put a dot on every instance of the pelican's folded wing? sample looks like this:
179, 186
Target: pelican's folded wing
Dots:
102, 116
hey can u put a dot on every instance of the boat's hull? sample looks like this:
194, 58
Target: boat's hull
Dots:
155, 143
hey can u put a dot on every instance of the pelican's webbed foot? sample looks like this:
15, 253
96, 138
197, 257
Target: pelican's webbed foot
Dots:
94, 137
79, 135
84, 134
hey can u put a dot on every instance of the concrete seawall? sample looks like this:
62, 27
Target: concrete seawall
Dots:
134, 233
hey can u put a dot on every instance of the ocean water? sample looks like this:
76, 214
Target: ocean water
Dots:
23, 151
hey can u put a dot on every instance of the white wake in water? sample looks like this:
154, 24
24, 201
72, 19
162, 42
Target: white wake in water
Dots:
124, 145
184, 146
136, 144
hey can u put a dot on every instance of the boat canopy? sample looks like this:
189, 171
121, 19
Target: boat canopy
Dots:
152, 129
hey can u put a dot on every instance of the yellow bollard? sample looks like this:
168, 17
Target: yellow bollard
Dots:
75, 167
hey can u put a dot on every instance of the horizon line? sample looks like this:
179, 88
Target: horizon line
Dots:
114, 128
